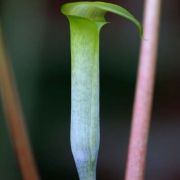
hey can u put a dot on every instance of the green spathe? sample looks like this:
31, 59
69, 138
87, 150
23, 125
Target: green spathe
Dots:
96, 11
85, 95
86, 20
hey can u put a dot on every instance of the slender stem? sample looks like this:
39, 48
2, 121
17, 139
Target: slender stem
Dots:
14, 117
144, 92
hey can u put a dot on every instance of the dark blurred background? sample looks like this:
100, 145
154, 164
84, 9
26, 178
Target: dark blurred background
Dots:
37, 39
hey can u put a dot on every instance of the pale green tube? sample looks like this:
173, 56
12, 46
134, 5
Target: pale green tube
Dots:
85, 95
86, 20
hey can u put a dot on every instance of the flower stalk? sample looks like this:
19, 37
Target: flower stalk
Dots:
14, 116
86, 20
144, 92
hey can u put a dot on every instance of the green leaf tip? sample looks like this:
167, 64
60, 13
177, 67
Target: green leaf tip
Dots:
95, 11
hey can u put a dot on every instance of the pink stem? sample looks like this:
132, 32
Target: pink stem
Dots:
144, 92
14, 117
